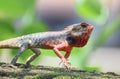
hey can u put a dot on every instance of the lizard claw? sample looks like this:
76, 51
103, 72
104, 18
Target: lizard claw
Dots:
62, 62
65, 63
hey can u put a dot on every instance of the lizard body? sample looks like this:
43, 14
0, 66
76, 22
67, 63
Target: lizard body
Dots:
36, 40
75, 35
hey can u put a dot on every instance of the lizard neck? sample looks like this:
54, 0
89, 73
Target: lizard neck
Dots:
77, 41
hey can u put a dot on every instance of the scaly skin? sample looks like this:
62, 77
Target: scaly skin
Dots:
75, 35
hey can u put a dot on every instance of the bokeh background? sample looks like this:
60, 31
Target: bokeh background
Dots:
102, 53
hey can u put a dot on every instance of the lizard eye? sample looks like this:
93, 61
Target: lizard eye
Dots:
83, 26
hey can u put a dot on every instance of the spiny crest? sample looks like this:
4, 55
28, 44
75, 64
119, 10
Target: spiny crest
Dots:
83, 24
68, 28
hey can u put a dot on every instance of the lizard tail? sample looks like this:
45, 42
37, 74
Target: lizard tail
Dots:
10, 43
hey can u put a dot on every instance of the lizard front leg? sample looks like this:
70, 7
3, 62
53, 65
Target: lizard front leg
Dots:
63, 58
67, 54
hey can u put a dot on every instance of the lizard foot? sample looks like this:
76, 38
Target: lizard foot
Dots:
9, 65
65, 63
28, 64
12, 66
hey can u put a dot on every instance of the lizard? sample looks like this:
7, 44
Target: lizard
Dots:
75, 35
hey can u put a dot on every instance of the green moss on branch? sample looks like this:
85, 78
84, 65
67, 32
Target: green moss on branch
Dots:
45, 72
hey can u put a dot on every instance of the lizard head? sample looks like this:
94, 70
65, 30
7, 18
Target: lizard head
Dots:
81, 29
80, 33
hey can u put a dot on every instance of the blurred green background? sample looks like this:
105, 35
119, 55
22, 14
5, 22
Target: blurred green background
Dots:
20, 17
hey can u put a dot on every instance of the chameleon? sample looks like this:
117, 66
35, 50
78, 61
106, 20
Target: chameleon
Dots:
75, 35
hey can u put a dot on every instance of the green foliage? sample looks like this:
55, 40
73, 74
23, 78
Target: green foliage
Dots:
34, 27
108, 31
89, 8
92, 10
15, 8
6, 29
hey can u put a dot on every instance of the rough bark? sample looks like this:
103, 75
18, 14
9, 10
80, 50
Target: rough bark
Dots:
45, 72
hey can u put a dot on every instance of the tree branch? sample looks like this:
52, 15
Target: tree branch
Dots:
45, 72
